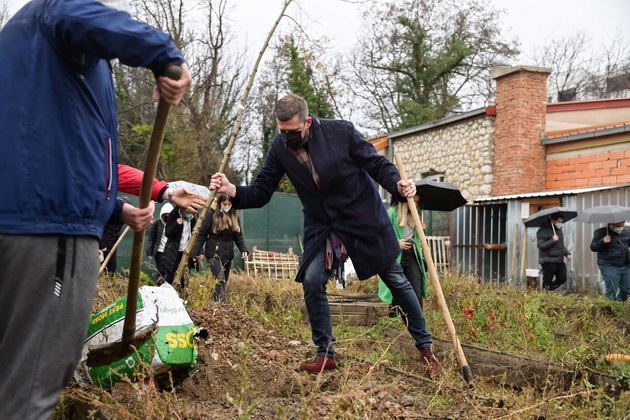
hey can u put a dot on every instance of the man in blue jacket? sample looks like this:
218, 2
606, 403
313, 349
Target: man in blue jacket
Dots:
58, 179
332, 166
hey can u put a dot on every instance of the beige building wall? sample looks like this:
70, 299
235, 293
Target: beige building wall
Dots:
567, 120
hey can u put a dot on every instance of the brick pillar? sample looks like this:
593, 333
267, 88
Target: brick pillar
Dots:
519, 156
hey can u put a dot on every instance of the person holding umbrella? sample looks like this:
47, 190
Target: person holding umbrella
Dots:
611, 244
550, 243
613, 258
430, 195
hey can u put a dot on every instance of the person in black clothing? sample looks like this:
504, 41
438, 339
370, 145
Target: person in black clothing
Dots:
111, 233
156, 242
179, 227
611, 244
550, 242
218, 234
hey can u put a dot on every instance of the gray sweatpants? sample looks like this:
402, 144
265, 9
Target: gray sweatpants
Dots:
47, 285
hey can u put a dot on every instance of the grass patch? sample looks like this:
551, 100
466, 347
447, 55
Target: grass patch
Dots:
575, 330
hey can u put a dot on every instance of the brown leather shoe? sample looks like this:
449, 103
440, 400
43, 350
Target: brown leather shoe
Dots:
433, 365
319, 364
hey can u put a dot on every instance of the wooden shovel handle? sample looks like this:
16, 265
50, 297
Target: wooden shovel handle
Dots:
426, 251
157, 136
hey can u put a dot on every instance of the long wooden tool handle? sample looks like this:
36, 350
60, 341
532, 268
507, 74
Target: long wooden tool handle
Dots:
226, 157
153, 157
111, 251
426, 251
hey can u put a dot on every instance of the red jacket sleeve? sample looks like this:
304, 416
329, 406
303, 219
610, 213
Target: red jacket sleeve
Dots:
130, 182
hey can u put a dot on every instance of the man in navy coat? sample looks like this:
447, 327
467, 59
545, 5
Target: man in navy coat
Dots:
331, 167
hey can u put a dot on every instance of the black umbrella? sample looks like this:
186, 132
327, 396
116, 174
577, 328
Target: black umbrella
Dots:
544, 216
604, 214
440, 196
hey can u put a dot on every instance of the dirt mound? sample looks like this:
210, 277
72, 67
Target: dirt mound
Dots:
250, 363
235, 339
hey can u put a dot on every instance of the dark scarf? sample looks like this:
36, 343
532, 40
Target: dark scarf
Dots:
336, 254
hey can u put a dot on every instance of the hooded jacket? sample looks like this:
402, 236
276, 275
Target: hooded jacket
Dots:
59, 139
174, 232
157, 230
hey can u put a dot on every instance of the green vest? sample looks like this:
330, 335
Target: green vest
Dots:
383, 291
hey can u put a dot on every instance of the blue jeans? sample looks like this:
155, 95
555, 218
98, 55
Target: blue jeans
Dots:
315, 279
617, 280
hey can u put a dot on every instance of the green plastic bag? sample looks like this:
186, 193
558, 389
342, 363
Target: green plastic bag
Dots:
173, 345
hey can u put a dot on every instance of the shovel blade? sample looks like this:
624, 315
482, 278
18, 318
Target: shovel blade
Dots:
108, 353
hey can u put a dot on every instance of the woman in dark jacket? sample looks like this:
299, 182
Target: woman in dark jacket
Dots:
551, 253
611, 244
219, 232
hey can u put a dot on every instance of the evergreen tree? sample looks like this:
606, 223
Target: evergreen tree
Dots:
301, 82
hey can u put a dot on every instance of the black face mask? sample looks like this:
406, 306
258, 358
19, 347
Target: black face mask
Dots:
293, 139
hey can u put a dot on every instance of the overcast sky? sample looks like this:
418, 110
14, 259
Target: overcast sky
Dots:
532, 22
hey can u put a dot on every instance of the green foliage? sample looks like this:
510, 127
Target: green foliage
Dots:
286, 185
568, 329
577, 331
300, 81
423, 73
422, 60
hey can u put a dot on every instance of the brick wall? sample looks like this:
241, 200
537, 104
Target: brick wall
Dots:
519, 156
587, 171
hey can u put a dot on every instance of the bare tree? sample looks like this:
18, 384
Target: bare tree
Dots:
571, 59
612, 78
198, 130
4, 13
584, 69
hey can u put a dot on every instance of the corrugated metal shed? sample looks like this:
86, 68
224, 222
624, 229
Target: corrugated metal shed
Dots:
497, 222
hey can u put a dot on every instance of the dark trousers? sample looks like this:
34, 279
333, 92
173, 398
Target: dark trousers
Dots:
221, 272
549, 270
158, 264
111, 264
170, 276
316, 299
411, 268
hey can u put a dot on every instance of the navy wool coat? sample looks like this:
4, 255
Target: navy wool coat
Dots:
347, 203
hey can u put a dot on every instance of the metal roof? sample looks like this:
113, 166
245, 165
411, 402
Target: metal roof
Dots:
550, 193
586, 134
